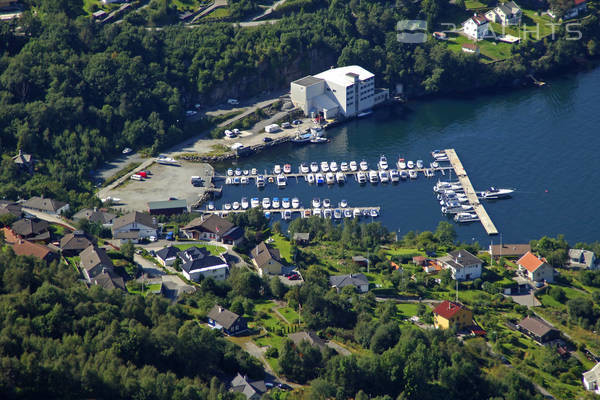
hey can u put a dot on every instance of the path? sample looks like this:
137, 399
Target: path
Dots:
50, 218
268, 11
209, 9
102, 193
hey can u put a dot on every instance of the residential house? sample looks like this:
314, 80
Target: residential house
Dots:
22, 160
74, 243
463, 265
227, 321
22, 247
167, 207
360, 260
535, 269
449, 314
172, 289
579, 258
198, 261
358, 281
253, 390
470, 48
591, 379
109, 280
508, 250
46, 205
301, 238
477, 27
538, 329
267, 260
94, 261
419, 260
308, 336
508, 13
579, 6
10, 207
213, 228
97, 217
34, 230
167, 255
135, 225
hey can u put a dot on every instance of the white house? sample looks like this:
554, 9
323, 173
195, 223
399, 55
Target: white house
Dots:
591, 379
580, 258
198, 261
536, 269
508, 13
463, 265
476, 27
347, 91
134, 225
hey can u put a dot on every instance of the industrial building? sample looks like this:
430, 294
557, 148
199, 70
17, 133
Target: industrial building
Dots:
345, 91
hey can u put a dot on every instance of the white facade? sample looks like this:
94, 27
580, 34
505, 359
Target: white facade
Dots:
591, 379
142, 230
217, 272
466, 272
476, 27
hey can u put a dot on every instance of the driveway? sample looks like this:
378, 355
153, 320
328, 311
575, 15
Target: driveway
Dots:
50, 218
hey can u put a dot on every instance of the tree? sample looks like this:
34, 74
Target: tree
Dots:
277, 287
128, 249
445, 233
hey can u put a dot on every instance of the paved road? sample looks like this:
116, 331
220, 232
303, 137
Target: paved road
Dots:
50, 218
268, 11
250, 24
209, 9
104, 192
117, 164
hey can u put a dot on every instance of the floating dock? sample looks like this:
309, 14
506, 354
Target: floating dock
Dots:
300, 211
464, 180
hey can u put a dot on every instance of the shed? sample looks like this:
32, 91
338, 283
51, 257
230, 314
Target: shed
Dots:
167, 207
301, 238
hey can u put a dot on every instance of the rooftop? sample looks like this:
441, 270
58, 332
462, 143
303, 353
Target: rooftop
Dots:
138, 217
340, 281
307, 81
593, 375
509, 250
212, 223
341, 75
167, 204
262, 254
530, 262
448, 309
222, 316
535, 325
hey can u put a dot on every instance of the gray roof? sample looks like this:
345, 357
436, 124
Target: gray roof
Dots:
593, 375
302, 236
30, 227
94, 216
262, 254
44, 204
509, 7
223, 316
195, 258
341, 281
137, 217
242, 384
309, 336
77, 240
535, 325
459, 258
109, 280
307, 81
167, 204
94, 256
212, 223
22, 158
167, 252
580, 256
9, 207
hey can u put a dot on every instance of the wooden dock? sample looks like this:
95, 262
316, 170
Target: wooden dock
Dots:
301, 211
464, 180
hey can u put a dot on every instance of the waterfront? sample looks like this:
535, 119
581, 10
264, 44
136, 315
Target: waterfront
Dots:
542, 142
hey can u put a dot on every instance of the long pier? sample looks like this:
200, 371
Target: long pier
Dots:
465, 182
302, 211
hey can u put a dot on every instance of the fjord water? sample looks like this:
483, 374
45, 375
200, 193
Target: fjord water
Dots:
544, 142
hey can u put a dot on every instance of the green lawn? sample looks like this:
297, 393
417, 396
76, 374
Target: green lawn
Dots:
284, 246
187, 5
474, 5
214, 250
290, 314
147, 289
221, 12
403, 252
407, 309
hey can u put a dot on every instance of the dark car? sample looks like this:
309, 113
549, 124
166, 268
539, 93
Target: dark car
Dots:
267, 140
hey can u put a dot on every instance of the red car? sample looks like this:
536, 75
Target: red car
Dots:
294, 277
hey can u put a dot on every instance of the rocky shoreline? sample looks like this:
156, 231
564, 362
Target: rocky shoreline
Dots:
243, 152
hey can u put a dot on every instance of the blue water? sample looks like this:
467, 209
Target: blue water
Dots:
544, 142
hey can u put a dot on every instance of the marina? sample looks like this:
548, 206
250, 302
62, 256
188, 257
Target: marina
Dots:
289, 213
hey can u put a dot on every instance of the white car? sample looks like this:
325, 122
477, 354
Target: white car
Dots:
152, 238
126, 150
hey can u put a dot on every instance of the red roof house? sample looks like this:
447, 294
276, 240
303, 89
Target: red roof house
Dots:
537, 269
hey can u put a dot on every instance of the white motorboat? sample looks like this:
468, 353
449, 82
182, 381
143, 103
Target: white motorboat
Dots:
245, 172
324, 166
347, 213
373, 177
287, 215
374, 213
412, 174
344, 166
281, 180
430, 173
229, 181
364, 114
295, 203
245, 203
266, 203
277, 169
442, 186
260, 181
364, 166
403, 175
327, 213
438, 153
236, 180
419, 164
317, 212
326, 203
318, 139
466, 217
307, 214
238, 172
304, 168
254, 171
410, 164
340, 177
287, 169
383, 164
211, 206
319, 178
275, 202
401, 163
254, 202
435, 164
384, 177
310, 178
285, 202
344, 203
456, 208
357, 213
230, 172
236, 205
333, 167
167, 160
330, 178
495, 193
394, 175
244, 180
316, 130
316, 202
353, 166
361, 177
337, 213
227, 206
314, 167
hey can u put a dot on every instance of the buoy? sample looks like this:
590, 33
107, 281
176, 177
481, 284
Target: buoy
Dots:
546, 190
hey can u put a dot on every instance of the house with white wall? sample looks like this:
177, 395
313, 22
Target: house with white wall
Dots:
477, 27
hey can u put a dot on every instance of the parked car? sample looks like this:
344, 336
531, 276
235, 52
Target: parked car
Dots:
169, 236
296, 122
126, 150
286, 125
152, 238
267, 140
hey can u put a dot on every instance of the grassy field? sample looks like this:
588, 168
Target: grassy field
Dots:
188, 5
407, 309
221, 12
214, 250
474, 5
284, 246
147, 289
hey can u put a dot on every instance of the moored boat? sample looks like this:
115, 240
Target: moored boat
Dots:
373, 177
361, 177
324, 166
364, 166
316, 202
245, 203
383, 164
254, 202
333, 167
319, 178
285, 202
384, 177
353, 166
310, 178
340, 177
266, 203
412, 174
281, 181
330, 178
260, 181
295, 203
344, 166
394, 175
314, 167
275, 202
401, 163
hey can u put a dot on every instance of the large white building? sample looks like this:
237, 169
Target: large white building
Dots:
347, 91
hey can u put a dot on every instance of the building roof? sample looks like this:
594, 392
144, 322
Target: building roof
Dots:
510, 7
167, 204
593, 375
241, 384
509, 250
340, 75
30, 227
109, 280
579, 2
464, 257
9, 207
302, 236
530, 262
212, 223
310, 336
478, 19
94, 216
77, 240
26, 248
341, 281
535, 325
94, 256
359, 259
585, 257
196, 258
263, 254
44, 204
448, 309
22, 158
308, 81
167, 252
137, 217
223, 316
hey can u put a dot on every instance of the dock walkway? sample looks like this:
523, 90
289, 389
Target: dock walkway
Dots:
464, 180
302, 211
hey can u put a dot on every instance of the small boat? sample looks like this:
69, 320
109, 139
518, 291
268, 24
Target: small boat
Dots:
344, 166
266, 203
236, 205
435, 164
281, 181
295, 203
230, 172
277, 169
330, 178
410, 164
236, 180
317, 212
319, 178
384, 177
253, 171
494, 193
344, 203
275, 202
326, 203
374, 213
441, 158
455, 208
316, 131
238, 172
429, 173
254, 202
244, 180
340, 177
227, 206
366, 213
364, 166
337, 213
166, 160
438, 153
285, 202
324, 166
304, 168
228, 181
347, 213
211, 206
464, 217
302, 138
310, 178
319, 139
403, 175
365, 114
245, 203
333, 167
287, 215
383, 164
419, 164
314, 167
260, 181
287, 169
356, 213
245, 172
307, 213
353, 166
401, 163
442, 186
373, 176
394, 175
413, 174
327, 213
361, 177
316, 202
